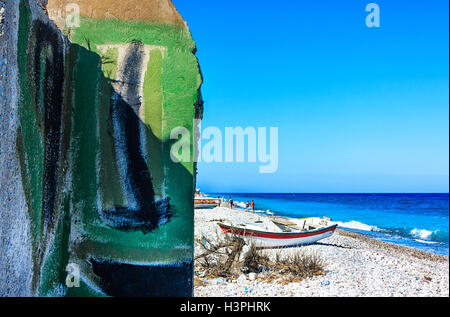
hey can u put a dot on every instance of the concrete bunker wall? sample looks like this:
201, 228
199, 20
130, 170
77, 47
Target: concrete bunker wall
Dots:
87, 114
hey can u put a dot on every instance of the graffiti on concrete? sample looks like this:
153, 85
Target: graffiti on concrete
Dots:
102, 194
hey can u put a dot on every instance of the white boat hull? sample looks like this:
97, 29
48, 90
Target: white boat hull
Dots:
268, 242
276, 239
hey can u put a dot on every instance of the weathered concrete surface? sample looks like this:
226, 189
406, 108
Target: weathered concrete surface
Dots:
155, 11
15, 249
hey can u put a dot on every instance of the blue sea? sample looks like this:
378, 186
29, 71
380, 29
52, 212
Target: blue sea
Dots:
419, 221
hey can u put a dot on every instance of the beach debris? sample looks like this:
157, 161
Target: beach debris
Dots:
252, 276
242, 278
325, 283
218, 281
199, 282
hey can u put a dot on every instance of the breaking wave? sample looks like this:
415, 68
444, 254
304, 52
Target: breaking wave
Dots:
430, 236
419, 235
357, 225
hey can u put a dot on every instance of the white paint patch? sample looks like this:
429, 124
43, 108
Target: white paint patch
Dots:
122, 54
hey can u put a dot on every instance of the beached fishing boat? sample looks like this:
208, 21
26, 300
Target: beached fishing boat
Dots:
201, 201
205, 203
281, 232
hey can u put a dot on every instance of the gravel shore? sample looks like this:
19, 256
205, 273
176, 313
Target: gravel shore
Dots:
355, 266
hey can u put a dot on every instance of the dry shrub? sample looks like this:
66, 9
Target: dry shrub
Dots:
294, 267
302, 265
220, 256
254, 259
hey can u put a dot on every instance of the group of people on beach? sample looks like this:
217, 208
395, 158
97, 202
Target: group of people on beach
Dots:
231, 203
247, 205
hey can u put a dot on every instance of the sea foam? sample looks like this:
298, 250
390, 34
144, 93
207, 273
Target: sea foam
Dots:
353, 224
421, 233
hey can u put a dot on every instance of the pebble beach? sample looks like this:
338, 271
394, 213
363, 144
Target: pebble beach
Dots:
355, 266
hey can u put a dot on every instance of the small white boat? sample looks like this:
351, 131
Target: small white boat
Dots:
203, 202
281, 232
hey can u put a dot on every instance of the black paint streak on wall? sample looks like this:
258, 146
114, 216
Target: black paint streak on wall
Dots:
128, 280
49, 45
148, 214
131, 75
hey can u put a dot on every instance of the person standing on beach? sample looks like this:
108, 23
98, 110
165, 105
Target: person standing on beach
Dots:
247, 204
231, 203
253, 206
219, 201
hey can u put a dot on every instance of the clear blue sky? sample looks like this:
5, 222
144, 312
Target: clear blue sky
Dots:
358, 109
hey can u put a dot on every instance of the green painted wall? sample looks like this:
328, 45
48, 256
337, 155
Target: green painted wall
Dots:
91, 175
